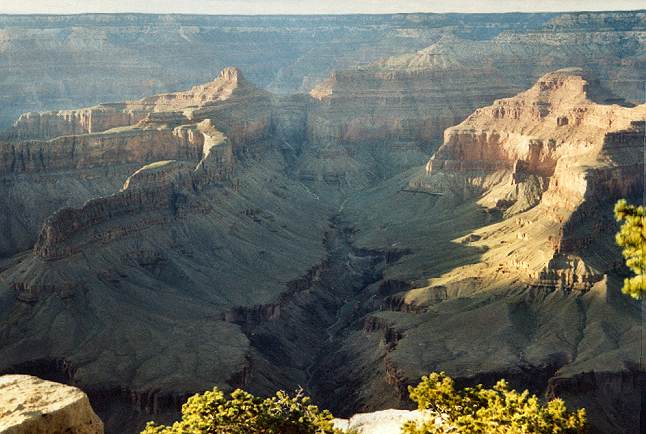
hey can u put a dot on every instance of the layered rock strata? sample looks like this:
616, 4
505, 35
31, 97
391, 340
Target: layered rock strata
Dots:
202, 193
560, 153
86, 59
410, 99
217, 239
521, 195
189, 127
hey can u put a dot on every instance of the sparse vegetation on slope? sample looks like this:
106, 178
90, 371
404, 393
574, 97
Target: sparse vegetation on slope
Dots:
212, 412
481, 410
632, 239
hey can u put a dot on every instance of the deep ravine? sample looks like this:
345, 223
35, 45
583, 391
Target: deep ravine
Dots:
313, 321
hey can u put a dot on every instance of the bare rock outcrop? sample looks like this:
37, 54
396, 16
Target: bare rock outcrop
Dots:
379, 422
169, 108
199, 190
133, 145
204, 126
73, 122
394, 111
576, 151
194, 223
409, 100
163, 190
531, 131
521, 193
29, 405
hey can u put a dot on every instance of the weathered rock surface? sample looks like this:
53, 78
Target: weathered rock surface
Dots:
29, 405
378, 422
208, 195
169, 109
182, 127
565, 155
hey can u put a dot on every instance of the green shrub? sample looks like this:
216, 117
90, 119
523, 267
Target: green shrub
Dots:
632, 239
480, 410
212, 413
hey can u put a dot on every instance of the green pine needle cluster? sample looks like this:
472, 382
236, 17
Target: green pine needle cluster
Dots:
212, 413
632, 239
479, 410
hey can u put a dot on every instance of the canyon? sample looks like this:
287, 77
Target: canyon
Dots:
432, 210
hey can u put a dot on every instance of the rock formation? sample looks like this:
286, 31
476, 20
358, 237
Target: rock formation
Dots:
378, 422
408, 100
562, 154
521, 194
88, 59
30, 405
203, 193
181, 127
169, 108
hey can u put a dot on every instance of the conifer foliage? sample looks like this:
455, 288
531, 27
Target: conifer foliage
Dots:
632, 239
498, 410
212, 412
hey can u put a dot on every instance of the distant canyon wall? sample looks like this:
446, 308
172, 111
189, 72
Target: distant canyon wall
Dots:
64, 62
415, 97
89, 59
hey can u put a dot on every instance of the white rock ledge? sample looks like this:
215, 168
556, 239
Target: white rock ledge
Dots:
378, 422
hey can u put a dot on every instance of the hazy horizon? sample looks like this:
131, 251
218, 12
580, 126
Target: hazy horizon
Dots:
308, 7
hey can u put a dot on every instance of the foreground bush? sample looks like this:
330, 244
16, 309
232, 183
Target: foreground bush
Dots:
480, 410
632, 239
212, 413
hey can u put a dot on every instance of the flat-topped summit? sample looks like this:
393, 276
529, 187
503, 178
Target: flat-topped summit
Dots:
551, 155
229, 83
557, 111
572, 85
199, 214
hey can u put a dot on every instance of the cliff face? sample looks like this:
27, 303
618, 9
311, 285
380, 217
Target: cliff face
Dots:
160, 188
102, 149
566, 157
304, 50
182, 127
170, 108
521, 193
200, 193
73, 122
79, 57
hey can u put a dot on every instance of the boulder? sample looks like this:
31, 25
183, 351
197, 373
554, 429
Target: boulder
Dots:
379, 422
30, 405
